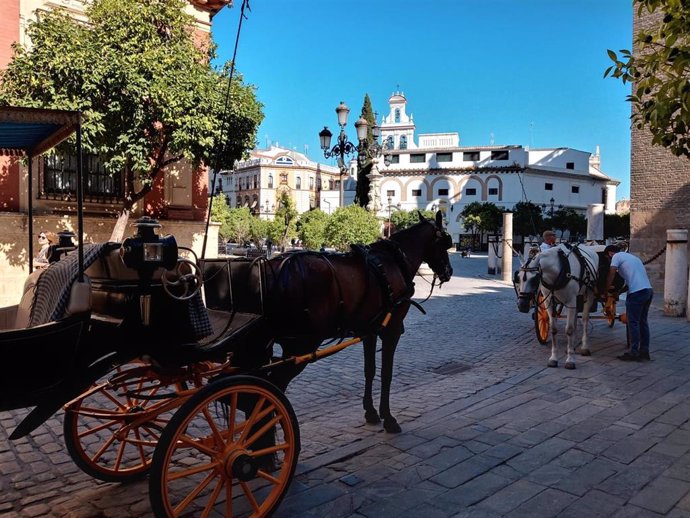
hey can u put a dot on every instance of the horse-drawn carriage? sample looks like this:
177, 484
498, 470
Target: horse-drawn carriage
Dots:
570, 277
164, 362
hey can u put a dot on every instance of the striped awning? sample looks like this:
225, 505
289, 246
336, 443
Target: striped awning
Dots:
32, 131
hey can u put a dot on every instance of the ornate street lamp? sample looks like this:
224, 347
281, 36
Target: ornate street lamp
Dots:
343, 147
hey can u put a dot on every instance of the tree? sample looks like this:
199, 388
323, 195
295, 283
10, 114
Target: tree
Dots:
220, 213
660, 71
568, 219
402, 219
238, 225
362, 194
527, 218
490, 216
283, 228
351, 224
312, 228
617, 225
148, 92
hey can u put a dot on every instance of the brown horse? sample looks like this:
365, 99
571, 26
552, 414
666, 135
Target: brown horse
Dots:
312, 297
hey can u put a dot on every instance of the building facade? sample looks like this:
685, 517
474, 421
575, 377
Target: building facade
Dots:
435, 171
659, 187
260, 181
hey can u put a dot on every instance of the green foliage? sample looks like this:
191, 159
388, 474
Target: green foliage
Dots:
220, 213
237, 227
617, 225
362, 194
283, 228
402, 219
660, 72
312, 228
568, 219
147, 91
486, 217
351, 224
527, 218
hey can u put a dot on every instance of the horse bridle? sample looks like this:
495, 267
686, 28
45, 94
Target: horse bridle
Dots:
526, 268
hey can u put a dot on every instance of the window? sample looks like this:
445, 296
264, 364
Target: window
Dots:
470, 191
59, 179
390, 144
548, 187
603, 196
443, 192
283, 178
311, 183
395, 159
318, 184
570, 165
255, 183
270, 181
416, 192
470, 156
444, 157
493, 191
575, 189
298, 182
397, 115
403, 142
284, 160
417, 158
390, 193
499, 155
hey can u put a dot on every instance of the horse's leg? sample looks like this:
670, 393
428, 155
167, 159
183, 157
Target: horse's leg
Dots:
369, 346
570, 333
589, 300
553, 360
389, 342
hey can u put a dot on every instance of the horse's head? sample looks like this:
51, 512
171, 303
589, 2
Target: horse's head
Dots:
436, 254
526, 281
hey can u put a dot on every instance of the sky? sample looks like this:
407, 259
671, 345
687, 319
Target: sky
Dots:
507, 72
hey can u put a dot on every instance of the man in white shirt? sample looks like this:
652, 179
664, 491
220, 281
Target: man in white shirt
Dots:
637, 301
549, 240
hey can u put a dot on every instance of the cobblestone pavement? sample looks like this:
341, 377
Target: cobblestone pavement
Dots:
488, 429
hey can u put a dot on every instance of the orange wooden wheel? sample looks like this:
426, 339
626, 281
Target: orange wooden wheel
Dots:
112, 430
541, 319
230, 450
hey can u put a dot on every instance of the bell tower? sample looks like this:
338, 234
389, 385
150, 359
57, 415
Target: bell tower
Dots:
397, 128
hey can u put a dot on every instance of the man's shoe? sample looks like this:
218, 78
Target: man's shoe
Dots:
645, 356
627, 357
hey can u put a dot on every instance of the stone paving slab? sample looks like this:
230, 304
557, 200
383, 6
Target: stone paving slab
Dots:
488, 429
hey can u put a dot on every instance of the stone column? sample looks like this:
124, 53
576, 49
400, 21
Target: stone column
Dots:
493, 255
676, 278
507, 262
374, 205
595, 222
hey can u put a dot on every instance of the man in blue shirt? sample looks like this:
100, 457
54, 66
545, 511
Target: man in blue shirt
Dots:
637, 301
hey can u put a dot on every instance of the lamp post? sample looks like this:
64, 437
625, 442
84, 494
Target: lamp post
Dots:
550, 212
343, 147
397, 206
371, 151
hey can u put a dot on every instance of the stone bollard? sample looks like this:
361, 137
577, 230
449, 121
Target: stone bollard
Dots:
507, 257
595, 222
493, 255
676, 274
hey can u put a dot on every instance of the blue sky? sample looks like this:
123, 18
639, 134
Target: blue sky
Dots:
527, 72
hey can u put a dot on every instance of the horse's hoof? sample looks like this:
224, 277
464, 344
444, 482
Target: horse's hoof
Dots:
585, 352
570, 365
553, 363
391, 426
372, 417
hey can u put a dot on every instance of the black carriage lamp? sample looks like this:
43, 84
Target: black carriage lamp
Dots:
370, 150
145, 252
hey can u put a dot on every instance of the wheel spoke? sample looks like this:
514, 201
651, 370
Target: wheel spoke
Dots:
212, 499
198, 489
184, 439
192, 471
103, 448
228, 499
265, 428
252, 419
98, 428
120, 454
267, 476
139, 445
214, 428
269, 450
233, 415
250, 496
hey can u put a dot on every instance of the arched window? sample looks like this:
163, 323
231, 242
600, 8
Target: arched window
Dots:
298, 182
403, 142
397, 115
389, 142
270, 181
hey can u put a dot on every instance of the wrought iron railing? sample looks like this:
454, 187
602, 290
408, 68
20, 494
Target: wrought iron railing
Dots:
59, 180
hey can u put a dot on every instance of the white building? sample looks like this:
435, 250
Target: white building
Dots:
439, 173
259, 182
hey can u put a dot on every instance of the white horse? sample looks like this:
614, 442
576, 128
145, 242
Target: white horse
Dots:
563, 274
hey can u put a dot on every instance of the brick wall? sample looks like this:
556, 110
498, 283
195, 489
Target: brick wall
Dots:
659, 189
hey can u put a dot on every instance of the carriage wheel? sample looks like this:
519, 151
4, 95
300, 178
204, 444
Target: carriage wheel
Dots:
230, 450
97, 427
541, 320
